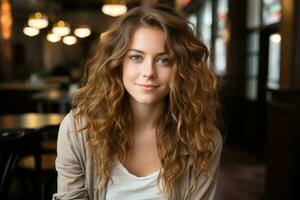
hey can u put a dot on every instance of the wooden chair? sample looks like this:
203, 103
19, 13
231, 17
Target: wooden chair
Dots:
10, 147
39, 163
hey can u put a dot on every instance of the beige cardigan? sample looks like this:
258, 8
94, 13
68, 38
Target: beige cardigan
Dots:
78, 179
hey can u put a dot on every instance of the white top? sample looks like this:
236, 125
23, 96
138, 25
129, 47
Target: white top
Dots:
127, 186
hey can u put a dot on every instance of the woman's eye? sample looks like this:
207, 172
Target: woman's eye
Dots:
136, 58
164, 61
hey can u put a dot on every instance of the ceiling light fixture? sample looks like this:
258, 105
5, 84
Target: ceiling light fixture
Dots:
31, 31
51, 37
70, 40
38, 20
83, 31
114, 8
61, 28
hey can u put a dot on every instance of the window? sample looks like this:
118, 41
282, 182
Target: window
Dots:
252, 65
274, 61
261, 13
271, 11
221, 37
253, 13
192, 19
205, 23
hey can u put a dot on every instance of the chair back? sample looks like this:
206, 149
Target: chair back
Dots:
37, 162
10, 147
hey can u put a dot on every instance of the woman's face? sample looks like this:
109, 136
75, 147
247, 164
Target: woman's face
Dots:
146, 66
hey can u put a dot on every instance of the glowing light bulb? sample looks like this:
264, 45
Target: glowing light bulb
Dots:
51, 37
31, 31
82, 32
70, 40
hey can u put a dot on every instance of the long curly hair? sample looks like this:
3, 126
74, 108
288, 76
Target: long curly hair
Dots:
189, 119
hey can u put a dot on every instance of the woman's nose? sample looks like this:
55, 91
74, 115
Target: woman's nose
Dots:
148, 70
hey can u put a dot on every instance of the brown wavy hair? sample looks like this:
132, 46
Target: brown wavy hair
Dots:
190, 112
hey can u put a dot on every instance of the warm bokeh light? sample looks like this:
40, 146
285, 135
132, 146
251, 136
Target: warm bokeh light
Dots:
51, 37
6, 19
82, 32
70, 40
61, 28
275, 38
38, 20
31, 31
114, 10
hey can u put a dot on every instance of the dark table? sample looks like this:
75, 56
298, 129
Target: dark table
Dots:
52, 97
26, 86
29, 121
16, 97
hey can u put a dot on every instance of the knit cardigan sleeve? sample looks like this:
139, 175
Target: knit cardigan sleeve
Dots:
70, 162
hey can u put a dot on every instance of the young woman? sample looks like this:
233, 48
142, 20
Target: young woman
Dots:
143, 125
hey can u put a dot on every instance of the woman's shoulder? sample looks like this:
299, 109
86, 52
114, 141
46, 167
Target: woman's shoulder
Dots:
216, 137
73, 128
73, 140
74, 121
215, 143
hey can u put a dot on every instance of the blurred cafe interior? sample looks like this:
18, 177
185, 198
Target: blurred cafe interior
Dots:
254, 48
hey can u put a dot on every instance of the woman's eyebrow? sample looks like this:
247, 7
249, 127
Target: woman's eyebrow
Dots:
142, 52
136, 50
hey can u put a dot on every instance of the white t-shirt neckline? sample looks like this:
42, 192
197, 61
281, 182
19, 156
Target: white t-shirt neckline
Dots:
126, 186
124, 170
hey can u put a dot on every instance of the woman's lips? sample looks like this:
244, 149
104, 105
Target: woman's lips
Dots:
147, 87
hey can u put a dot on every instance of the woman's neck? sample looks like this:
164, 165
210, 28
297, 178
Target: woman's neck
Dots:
146, 115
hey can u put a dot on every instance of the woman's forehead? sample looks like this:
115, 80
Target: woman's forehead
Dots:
146, 39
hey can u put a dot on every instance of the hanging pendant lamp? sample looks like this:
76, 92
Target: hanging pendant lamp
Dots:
82, 31
61, 28
69, 40
31, 31
53, 38
38, 20
114, 8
